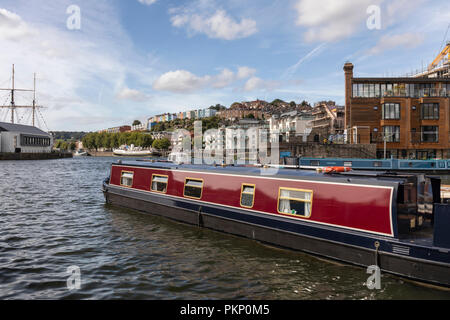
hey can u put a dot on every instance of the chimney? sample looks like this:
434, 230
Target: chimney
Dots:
348, 69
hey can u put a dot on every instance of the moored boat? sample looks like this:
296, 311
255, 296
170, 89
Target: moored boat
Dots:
394, 221
81, 153
396, 165
132, 151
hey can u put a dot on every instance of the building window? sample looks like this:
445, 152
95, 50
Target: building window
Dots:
355, 90
391, 133
126, 178
159, 183
193, 188
391, 111
247, 195
430, 134
430, 111
295, 201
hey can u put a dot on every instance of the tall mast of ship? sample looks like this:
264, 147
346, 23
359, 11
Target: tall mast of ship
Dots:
13, 105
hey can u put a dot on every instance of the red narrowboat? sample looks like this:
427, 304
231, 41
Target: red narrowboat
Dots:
394, 221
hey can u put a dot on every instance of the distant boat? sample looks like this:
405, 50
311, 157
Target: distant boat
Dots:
132, 151
81, 153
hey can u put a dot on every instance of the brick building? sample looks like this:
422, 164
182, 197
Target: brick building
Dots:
407, 117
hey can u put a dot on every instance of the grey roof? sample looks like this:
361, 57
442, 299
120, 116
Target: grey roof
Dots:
13, 127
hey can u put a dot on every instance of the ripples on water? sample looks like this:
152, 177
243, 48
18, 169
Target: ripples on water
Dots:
53, 216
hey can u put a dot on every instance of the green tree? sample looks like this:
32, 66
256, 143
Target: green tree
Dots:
136, 122
161, 144
277, 101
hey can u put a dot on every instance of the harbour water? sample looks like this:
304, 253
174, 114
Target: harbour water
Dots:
53, 216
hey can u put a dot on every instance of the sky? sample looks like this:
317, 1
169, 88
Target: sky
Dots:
105, 63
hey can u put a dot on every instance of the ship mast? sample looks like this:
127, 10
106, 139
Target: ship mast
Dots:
13, 105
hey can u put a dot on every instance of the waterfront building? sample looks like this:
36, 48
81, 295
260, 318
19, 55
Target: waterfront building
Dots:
18, 138
286, 126
406, 117
328, 123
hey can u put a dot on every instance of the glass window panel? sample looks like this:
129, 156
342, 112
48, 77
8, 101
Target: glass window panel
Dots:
377, 90
194, 183
193, 188
126, 179
159, 183
247, 200
296, 202
360, 90
355, 90
295, 194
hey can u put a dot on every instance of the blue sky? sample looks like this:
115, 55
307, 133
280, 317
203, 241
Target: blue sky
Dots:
131, 59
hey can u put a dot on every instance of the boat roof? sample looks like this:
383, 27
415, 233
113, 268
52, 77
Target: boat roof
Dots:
281, 172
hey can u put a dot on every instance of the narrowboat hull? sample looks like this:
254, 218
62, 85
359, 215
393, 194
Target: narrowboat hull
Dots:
349, 246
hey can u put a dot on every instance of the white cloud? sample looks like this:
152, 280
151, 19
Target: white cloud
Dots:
388, 42
182, 81
218, 25
132, 94
179, 81
78, 72
255, 83
224, 79
331, 20
12, 27
147, 2
245, 72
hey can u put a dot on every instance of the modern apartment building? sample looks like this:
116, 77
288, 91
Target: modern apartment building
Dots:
407, 117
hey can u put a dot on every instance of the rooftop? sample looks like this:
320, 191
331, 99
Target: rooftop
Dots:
14, 127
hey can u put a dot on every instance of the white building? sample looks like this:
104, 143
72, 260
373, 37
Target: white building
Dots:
18, 138
291, 124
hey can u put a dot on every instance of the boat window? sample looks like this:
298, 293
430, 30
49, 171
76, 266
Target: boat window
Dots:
193, 188
295, 201
247, 195
126, 178
159, 183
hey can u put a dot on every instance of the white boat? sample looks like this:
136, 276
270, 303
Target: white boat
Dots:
80, 153
132, 151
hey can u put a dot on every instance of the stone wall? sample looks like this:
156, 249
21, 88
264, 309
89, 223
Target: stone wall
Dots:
35, 156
